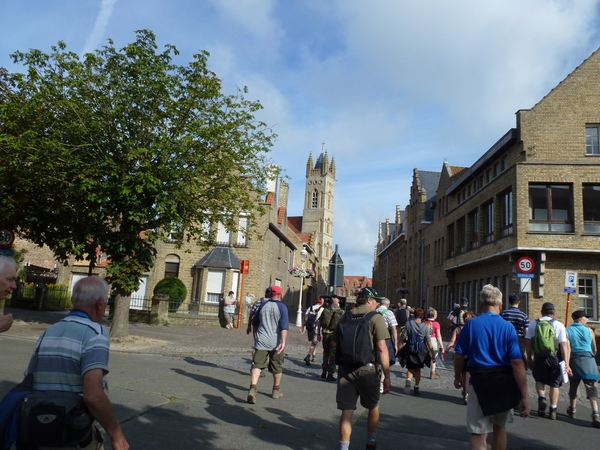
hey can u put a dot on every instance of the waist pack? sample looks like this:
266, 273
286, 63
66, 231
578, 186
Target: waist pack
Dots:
54, 419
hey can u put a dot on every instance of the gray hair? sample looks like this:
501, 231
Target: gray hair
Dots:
385, 302
4, 260
88, 290
490, 295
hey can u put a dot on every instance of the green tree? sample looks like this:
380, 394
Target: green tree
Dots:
174, 288
116, 148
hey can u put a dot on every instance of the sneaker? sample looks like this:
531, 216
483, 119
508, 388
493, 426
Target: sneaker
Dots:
331, 377
465, 399
276, 393
416, 392
307, 360
312, 358
596, 420
542, 406
252, 396
571, 412
372, 446
407, 387
435, 376
552, 414
324, 374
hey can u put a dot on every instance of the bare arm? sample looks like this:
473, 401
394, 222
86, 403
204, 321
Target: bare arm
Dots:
384, 361
519, 373
594, 347
6, 322
101, 408
281, 345
529, 354
395, 339
565, 348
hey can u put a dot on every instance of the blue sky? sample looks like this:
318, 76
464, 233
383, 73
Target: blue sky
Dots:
388, 85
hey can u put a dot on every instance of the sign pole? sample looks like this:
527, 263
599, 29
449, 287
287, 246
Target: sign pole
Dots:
568, 306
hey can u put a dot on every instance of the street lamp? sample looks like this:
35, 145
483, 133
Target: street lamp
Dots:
303, 254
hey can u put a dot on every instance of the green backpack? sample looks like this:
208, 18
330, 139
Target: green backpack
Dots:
543, 338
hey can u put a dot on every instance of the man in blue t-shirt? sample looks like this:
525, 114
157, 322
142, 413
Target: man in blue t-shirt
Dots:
272, 325
498, 382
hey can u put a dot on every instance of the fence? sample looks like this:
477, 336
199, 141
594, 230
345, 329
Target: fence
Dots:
52, 297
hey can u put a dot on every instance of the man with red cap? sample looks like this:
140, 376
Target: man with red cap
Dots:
272, 325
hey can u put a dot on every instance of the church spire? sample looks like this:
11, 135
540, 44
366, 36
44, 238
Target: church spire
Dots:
309, 164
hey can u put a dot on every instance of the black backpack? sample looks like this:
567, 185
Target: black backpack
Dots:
311, 319
353, 343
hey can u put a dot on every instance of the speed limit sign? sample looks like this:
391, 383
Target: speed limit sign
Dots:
525, 265
7, 237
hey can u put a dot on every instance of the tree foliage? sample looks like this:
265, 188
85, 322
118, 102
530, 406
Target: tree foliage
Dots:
115, 148
174, 288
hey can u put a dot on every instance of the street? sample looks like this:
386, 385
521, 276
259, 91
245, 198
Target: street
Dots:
199, 401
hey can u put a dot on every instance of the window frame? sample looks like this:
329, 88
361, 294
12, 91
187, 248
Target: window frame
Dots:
552, 200
591, 215
592, 140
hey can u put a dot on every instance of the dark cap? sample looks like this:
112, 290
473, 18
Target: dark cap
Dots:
578, 314
369, 292
464, 300
547, 307
513, 298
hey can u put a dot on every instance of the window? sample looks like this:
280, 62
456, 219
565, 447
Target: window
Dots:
591, 208
592, 140
474, 229
460, 225
171, 266
488, 222
315, 199
175, 233
506, 214
450, 241
225, 237
242, 238
587, 295
214, 286
550, 208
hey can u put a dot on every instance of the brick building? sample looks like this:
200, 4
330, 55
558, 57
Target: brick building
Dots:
535, 193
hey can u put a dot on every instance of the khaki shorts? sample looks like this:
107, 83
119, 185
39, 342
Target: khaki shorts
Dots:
363, 382
275, 360
477, 423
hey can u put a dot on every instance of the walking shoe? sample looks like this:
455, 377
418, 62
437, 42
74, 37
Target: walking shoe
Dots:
434, 376
276, 393
324, 374
552, 414
252, 396
330, 377
262, 374
312, 358
571, 412
416, 392
307, 360
596, 420
372, 446
542, 406
465, 399
407, 387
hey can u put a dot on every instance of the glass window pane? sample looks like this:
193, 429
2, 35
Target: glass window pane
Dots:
561, 202
538, 204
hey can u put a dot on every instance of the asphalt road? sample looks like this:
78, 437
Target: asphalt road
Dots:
195, 397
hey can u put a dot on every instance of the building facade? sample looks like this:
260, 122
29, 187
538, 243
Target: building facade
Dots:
534, 194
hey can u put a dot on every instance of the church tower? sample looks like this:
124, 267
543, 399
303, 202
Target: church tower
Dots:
317, 216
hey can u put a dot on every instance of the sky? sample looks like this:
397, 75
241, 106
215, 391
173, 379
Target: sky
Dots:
384, 86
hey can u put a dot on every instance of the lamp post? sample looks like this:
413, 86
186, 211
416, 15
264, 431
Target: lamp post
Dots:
303, 254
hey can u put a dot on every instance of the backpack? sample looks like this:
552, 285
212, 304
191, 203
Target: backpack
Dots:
312, 318
402, 316
415, 342
543, 338
460, 318
353, 342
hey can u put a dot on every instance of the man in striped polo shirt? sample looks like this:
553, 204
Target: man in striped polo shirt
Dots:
519, 320
73, 357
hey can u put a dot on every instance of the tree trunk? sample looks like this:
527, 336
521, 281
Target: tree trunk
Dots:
120, 322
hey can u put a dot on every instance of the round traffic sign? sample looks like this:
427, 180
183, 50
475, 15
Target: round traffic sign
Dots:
7, 237
525, 264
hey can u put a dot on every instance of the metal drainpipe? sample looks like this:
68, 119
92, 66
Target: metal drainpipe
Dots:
422, 268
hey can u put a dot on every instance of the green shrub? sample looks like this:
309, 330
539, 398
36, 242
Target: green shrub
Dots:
175, 289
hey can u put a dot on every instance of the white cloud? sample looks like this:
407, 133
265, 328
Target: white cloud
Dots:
96, 36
